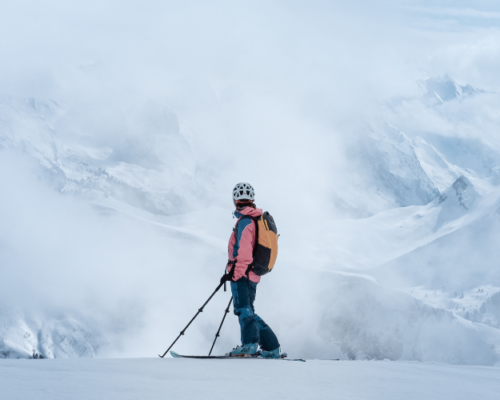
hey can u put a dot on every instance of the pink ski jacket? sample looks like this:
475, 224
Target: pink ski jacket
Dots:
241, 243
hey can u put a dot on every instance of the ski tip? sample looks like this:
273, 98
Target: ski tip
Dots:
174, 354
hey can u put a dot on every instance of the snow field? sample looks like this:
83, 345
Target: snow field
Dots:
243, 379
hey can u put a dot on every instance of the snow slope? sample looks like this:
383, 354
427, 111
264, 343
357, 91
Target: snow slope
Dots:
246, 379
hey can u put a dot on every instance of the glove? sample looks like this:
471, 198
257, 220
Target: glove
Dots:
225, 278
228, 276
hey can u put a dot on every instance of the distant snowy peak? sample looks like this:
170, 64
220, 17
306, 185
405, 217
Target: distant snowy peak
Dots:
149, 164
461, 193
398, 163
438, 90
456, 202
399, 170
392, 170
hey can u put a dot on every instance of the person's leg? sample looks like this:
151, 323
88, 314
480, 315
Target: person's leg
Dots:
267, 339
243, 308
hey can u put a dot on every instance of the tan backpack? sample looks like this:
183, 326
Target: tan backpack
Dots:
265, 250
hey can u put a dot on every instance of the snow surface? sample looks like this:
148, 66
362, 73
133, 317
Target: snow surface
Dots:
242, 379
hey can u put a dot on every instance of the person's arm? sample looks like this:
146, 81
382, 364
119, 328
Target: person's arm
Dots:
243, 247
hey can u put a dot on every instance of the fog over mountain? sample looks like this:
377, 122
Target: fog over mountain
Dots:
372, 141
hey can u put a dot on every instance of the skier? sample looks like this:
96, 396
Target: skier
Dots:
254, 331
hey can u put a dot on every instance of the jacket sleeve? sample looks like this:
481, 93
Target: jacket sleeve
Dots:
243, 247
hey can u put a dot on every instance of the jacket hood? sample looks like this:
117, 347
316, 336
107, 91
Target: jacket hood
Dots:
250, 211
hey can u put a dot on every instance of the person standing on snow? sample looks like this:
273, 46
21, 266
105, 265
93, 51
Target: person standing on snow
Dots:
254, 331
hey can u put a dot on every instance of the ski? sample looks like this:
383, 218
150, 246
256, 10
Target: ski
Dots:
176, 355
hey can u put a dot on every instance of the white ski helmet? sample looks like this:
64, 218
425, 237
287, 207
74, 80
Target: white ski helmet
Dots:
243, 191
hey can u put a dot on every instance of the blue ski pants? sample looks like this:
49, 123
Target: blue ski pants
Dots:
253, 328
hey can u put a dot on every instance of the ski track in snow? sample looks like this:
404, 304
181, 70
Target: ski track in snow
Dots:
243, 379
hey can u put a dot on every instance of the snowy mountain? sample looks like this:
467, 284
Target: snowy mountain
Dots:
441, 248
414, 151
405, 269
38, 337
149, 163
440, 89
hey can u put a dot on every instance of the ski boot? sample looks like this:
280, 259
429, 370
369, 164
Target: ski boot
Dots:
276, 353
246, 350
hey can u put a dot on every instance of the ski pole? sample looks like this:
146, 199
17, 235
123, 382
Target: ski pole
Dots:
187, 326
220, 327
